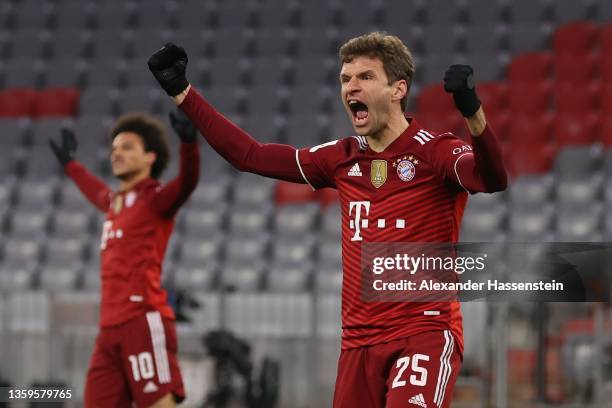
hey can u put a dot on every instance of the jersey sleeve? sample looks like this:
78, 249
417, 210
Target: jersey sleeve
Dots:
475, 167
317, 164
92, 187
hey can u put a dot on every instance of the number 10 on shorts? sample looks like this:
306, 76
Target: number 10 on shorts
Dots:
142, 366
419, 374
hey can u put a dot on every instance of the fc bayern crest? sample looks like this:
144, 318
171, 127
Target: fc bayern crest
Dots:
406, 167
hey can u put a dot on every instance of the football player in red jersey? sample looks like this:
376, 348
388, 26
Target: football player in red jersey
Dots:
398, 182
134, 362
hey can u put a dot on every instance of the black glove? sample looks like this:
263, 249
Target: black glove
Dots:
168, 65
66, 151
459, 80
182, 126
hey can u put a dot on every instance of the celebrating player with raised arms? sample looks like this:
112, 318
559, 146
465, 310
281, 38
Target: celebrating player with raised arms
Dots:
398, 182
134, 359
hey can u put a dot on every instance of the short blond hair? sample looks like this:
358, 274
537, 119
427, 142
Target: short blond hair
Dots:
396, 57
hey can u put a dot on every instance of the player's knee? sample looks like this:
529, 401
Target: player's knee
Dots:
167, 401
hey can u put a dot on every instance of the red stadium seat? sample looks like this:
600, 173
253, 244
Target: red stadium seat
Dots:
572, 99
56, 102
576, 129
605, 131
16, 102
441, 123
606, 39
493, 95
530, 97
534, 130
434, 100
577, 68
291, 193
533, 66
327, 196
577, 37
527, 158
500, 123
605, 97
605, 68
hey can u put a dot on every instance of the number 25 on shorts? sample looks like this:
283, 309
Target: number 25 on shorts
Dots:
418, 376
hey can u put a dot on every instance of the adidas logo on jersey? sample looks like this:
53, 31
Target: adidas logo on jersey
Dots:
418, 400
355, 171
150, 387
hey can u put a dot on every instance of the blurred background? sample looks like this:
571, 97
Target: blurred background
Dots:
260, 259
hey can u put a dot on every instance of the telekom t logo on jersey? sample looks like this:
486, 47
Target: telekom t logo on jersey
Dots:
356, 222
109, 233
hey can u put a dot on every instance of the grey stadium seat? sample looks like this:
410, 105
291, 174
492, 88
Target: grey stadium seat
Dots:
484, 11
483, 225
30, 42
141, 99
578, 162
28, 225
34, 15
296, 251
486, 39
531, 191
400, 13
114, 16
296, 219
243, 276
580, 224
578, 192
210, 193
16, 279
248, 220
284, 279
56, 279
203, 221
331, 222
20, 254
104, 73
272, 42
227, 71
202, 277
71, 199
68, 72
147, 40
532, 224
23, 72
529, 11
253, 190
524, 38
64, 252
330, 251
442, 12
268, 71
112, 43
35, 195
196, 253
13, 132
565, 11
70, 223
98, 100
328, 279
245, 250
78, 15
73, 43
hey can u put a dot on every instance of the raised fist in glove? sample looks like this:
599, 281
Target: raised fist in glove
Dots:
168, 65
66, 151
182, 126
459, 80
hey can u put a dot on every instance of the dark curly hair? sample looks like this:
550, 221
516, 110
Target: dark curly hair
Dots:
151, 131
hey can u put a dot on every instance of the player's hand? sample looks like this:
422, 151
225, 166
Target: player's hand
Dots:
459, 80
168, 65
66, 151
183, 126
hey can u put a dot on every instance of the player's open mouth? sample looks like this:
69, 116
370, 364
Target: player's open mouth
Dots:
360, 112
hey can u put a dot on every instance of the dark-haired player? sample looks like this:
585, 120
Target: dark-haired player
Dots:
398, 182
134, 360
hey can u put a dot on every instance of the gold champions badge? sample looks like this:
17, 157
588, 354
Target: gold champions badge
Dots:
117, 203
378, 172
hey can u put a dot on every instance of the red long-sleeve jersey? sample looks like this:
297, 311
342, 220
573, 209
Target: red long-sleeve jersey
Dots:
413, 191
135, 235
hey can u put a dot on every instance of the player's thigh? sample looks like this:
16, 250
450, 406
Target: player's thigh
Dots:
424, 374
356, 383
149, 352
106, 384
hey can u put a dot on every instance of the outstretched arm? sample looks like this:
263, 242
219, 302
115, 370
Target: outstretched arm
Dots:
173, 194
168, 65
92, 187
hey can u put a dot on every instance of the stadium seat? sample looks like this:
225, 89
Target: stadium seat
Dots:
296, 219
531, 98
572, 99
527, 11
240, 248
532, 224
579, 224
199, 221
605, 131
576, 128
327, 196
579, 68
56, 102
328, 279
242, 276
64, 252
67, 72
434, 100
579, 192
292, 193
30, 42
197, 278
36, 195
450, 122
198, 253
17, 102
28, 225
493, 96
578, 37
605, 93
480, 225
253, 190
141, 99
16, 279
531, 67
293, 251
55, 279
289, 279
578, 162
331, 222
20, 254
606, 38
329, 250
531, 191
524, 37
69, 224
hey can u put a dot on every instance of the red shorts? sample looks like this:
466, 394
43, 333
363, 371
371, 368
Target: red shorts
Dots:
417, 371
134, 362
